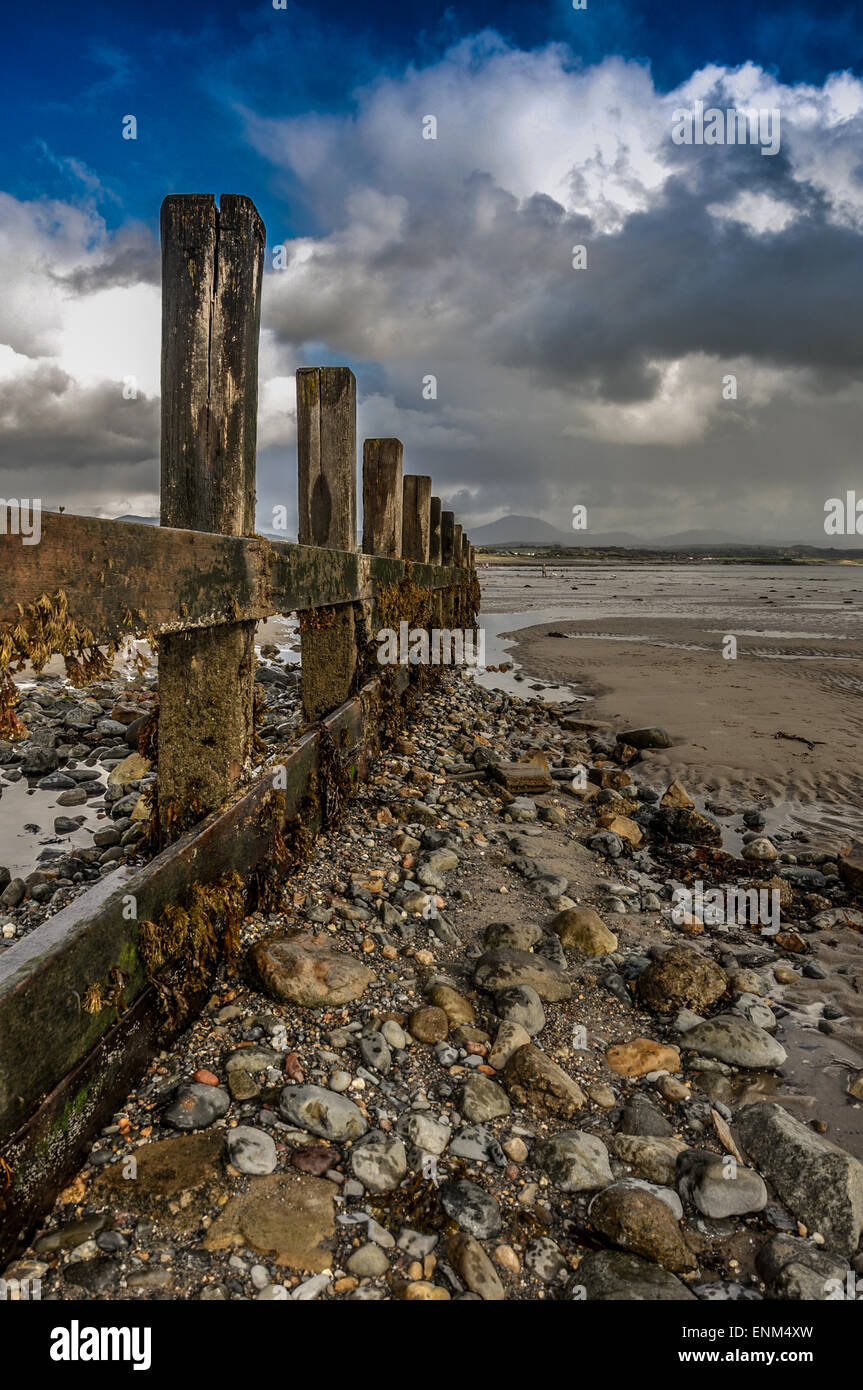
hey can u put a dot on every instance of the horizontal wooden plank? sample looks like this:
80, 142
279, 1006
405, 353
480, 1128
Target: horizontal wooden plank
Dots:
127, 578
44, 978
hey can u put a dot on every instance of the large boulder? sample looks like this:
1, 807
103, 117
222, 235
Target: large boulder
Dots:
497, 970
681, 979
304, 969
730, 1038
536, 1083
820, 1183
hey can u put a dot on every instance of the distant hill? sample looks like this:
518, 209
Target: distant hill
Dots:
142, 520
530, 530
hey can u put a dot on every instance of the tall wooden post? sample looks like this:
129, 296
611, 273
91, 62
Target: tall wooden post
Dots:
382, 497
447, 531
435, 531
327, 456
416, 518
456, 544
212, 264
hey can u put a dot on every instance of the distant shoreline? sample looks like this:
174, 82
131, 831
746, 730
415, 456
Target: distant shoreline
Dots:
536, 557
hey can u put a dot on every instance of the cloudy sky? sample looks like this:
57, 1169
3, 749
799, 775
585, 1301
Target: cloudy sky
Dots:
453, 257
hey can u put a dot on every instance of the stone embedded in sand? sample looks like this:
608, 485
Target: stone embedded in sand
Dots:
819, 1182
521, 936
675, 794
643, 1224
482, 1099
681, 979
474, 1266
536, 1083
583, 930
286, 1216
731, 1039
718, 1186
642, 1055
645, 738
504, 967
176, 1180
305, 970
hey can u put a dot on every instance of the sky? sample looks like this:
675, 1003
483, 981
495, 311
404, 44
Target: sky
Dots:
696, 366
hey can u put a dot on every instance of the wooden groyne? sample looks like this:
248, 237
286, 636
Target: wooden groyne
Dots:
88, 997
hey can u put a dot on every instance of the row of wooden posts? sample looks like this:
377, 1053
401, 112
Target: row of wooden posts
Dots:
80, 1002
212, 264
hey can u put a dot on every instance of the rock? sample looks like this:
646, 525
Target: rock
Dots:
639, 1222
623, 827
130, 770
583, 930
718, 1185
819, 1182
536, 1083
287, 1216
428, 1024
509, 1038
641, 1117
851, 866
665, 1194
760, 849
612, 1276
685, 826
316, 1159
729, 1038
305, 970
425, 1133
645, 738
482, 1099
681, 978
457, 1009
474, 1267
322, 1112
754, 1010
195, 1106
521, 1005
478, 1145
675, 794
379, 1161
521, 936
575, 1161
251, 1150
475, 1210
504, 967
796, 1269
652, 1158
375, 1052
544, 1259
369, 1262
642, 1055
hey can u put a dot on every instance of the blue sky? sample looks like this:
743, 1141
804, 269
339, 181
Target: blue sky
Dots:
184, 70
454, 257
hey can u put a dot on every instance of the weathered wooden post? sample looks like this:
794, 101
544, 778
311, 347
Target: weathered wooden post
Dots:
416, 518
212, 264
327, 457
456, 544
447, 530
382, 497
435, 532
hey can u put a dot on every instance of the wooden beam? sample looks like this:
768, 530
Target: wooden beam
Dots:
447, 532
126, 578
435, 531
